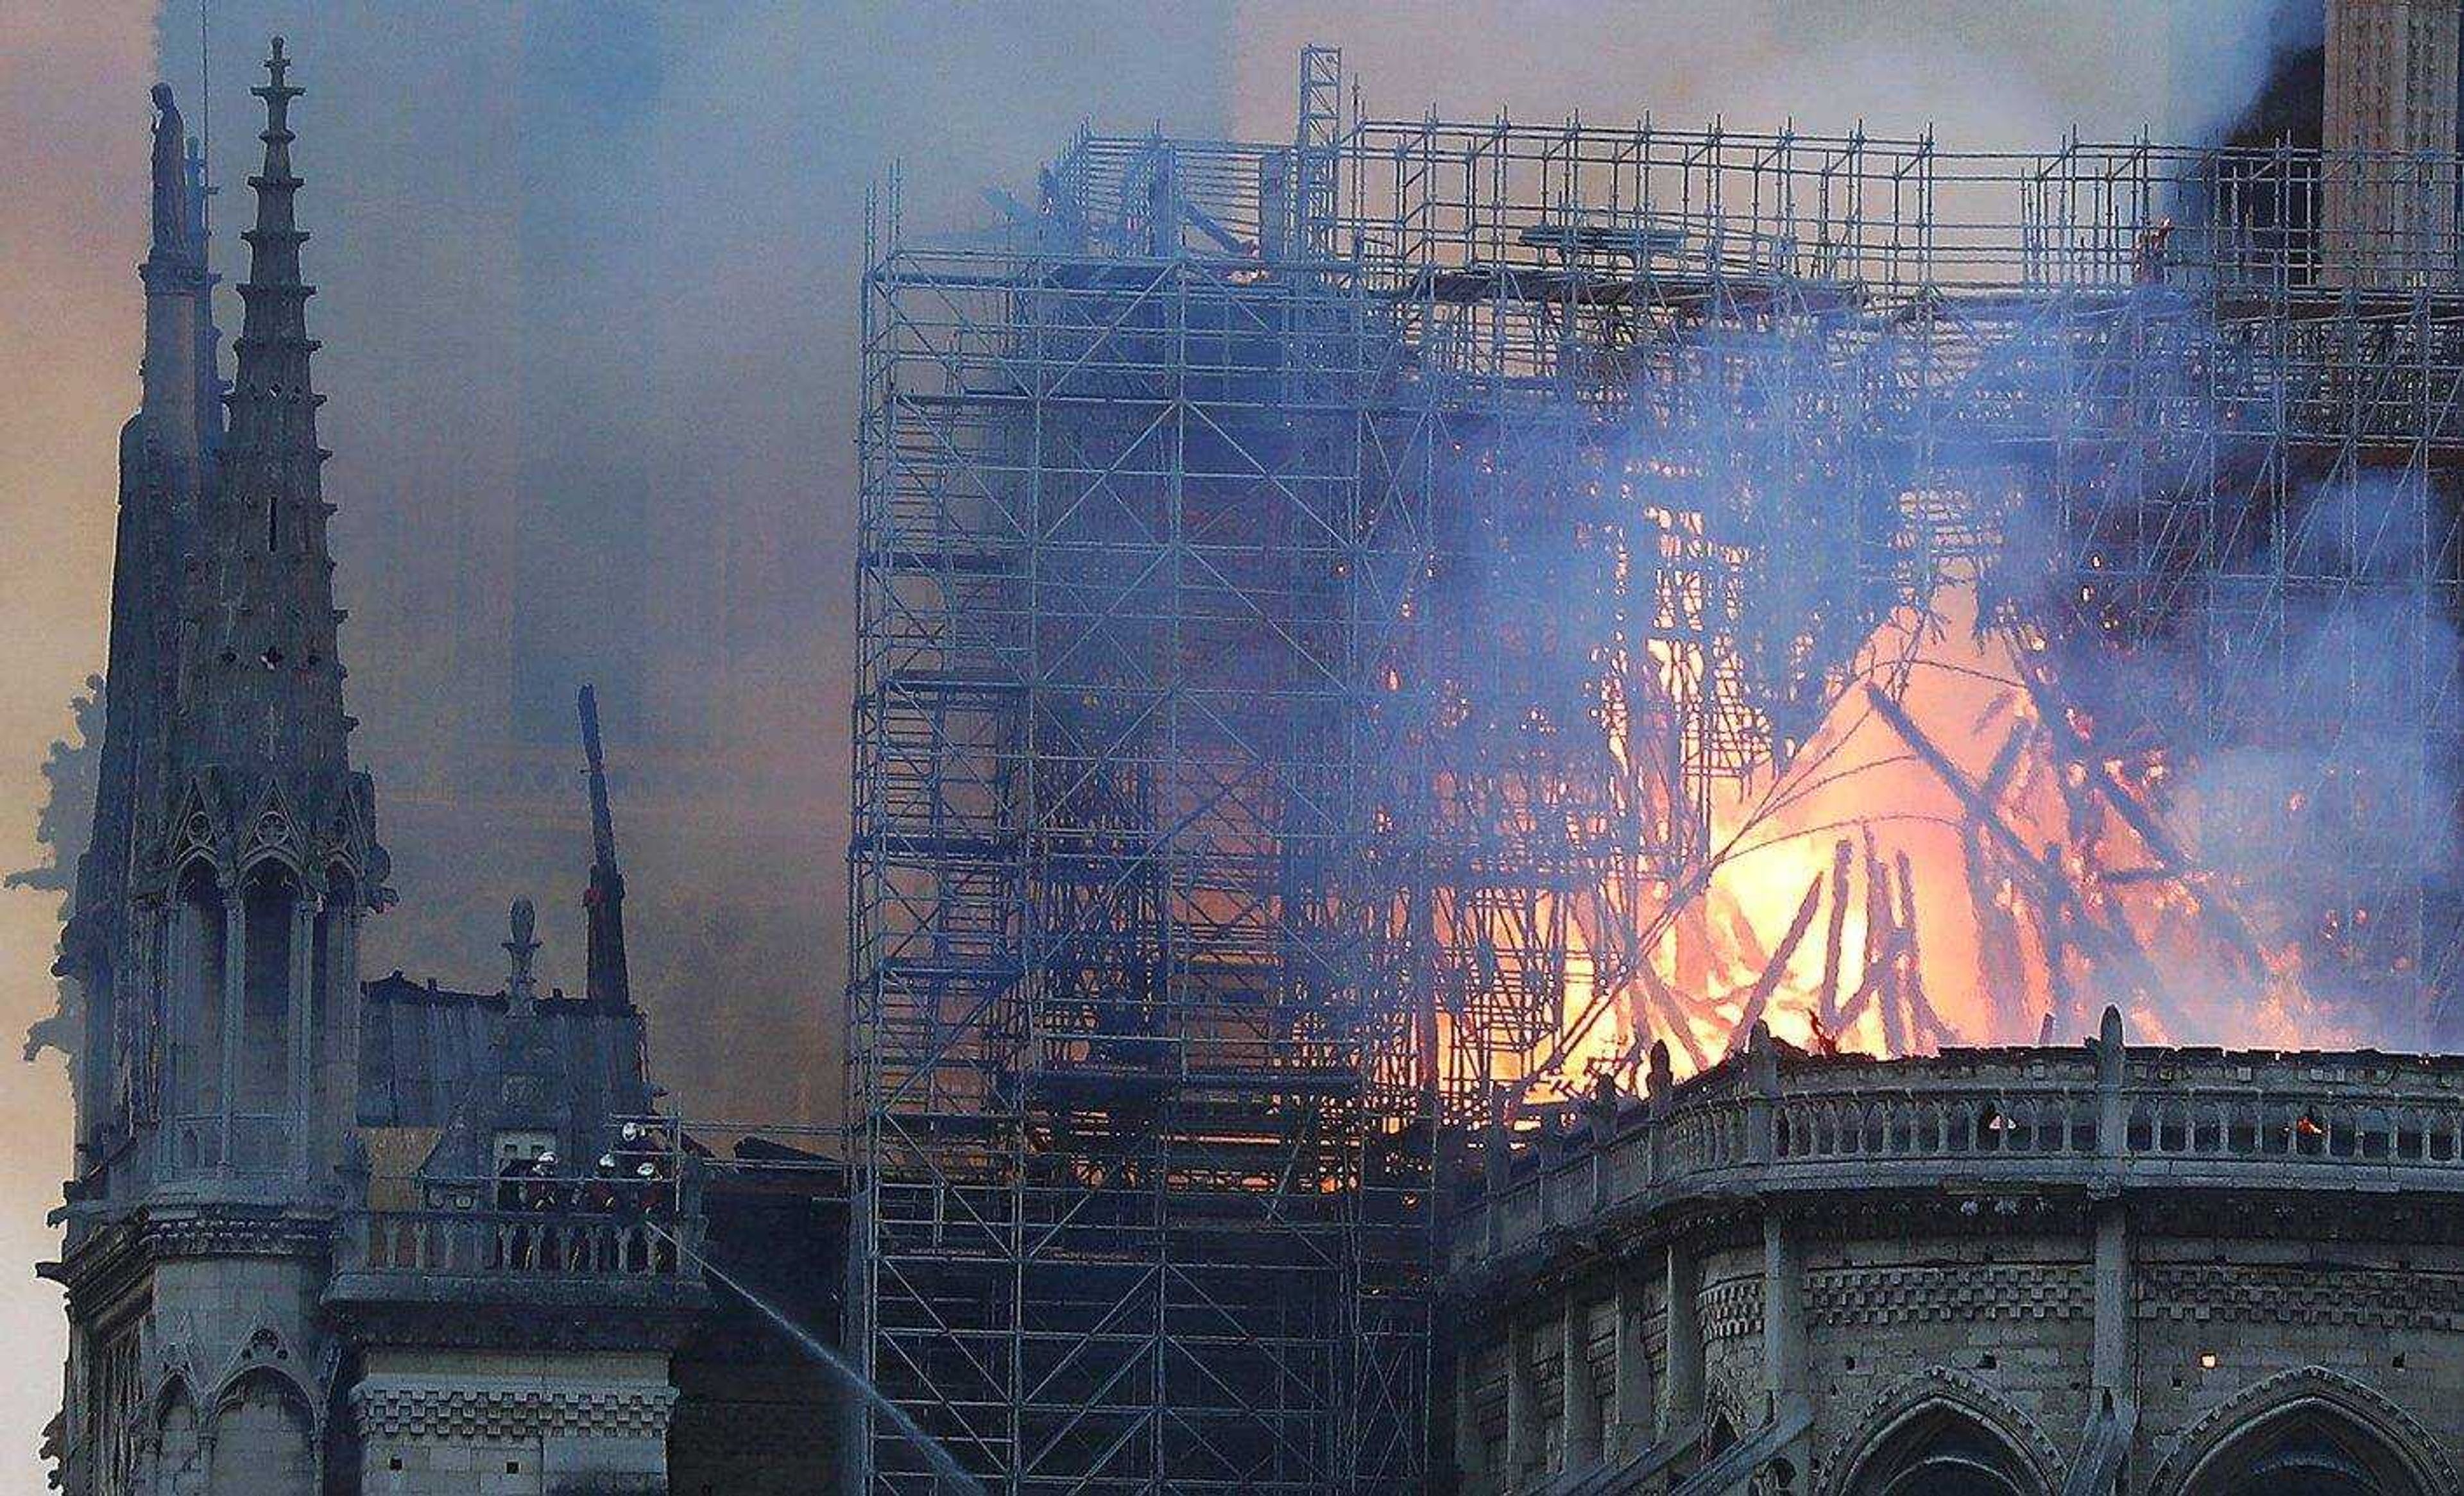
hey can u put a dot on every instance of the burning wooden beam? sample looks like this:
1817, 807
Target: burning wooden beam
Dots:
2051, 883
1670, 1012
1921, 1014
1877, 973
2061, 999
1826, 1004
1758, 998
2225, 922
1997, 934
1881, 928
1998, 965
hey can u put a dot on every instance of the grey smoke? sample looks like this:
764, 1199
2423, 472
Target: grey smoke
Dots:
587, 299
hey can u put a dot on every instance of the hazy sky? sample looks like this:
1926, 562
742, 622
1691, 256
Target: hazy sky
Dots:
586, 278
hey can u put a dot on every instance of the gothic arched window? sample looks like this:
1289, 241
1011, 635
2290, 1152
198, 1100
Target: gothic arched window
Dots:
2310, 1448
264, 1439
261, 1112
196, 940
1942, 1450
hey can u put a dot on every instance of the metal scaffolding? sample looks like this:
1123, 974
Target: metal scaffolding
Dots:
1312, 595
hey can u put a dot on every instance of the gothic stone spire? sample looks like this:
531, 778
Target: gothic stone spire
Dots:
163, 468
261, 705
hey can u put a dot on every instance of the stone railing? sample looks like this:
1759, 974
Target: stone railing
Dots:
507, 1243
2098, 1116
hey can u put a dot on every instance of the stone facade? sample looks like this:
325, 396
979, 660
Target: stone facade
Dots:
2024, 1271
445, 1423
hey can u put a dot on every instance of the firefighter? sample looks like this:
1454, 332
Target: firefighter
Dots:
604, 1195
510, 1171
544, 1194
2147, 256
542, 1191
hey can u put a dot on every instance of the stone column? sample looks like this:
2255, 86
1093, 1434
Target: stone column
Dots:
1784, 1370
1682, 1409
302, 1010
1785, 1377
1471, 1451
1658, 1088
104, 990
340, 1042
118, 1080
1633, 1390
177, 981
234, 1006
1762, 1094
2110, 1367
1580, 1417
153, 1013
2112, 1073
1497, 1174
1521, 1412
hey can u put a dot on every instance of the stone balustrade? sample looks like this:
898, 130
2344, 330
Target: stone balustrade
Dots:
1771, 1120
2090, 1268
486, 1242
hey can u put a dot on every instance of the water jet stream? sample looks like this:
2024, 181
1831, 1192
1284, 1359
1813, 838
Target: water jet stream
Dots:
947, 1470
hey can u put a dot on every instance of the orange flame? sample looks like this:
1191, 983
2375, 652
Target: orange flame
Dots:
1867, 895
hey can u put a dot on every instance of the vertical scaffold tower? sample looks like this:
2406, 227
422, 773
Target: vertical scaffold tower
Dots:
1140, 1209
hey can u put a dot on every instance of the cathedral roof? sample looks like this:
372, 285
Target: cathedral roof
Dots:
425, 1050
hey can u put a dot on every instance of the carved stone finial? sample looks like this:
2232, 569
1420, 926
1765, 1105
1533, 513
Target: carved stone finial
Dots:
1762, 1059
2110, 1054
521, 985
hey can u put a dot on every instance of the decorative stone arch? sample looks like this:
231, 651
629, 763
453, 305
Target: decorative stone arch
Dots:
2410, 1453
343, 844
198, 826
289, 863
1919, 1412
175, 1387
173, 1334
201, 861
179, 1432
1730, 1412
272, 834
266, 1430
266, 1352
259, 1374
272, 868
1719, 1431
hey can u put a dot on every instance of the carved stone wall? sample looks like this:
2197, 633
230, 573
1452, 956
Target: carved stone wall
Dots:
1996, 1332
438, 1422
2130, 1271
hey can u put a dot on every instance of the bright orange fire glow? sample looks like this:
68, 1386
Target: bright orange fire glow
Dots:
1967, 874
